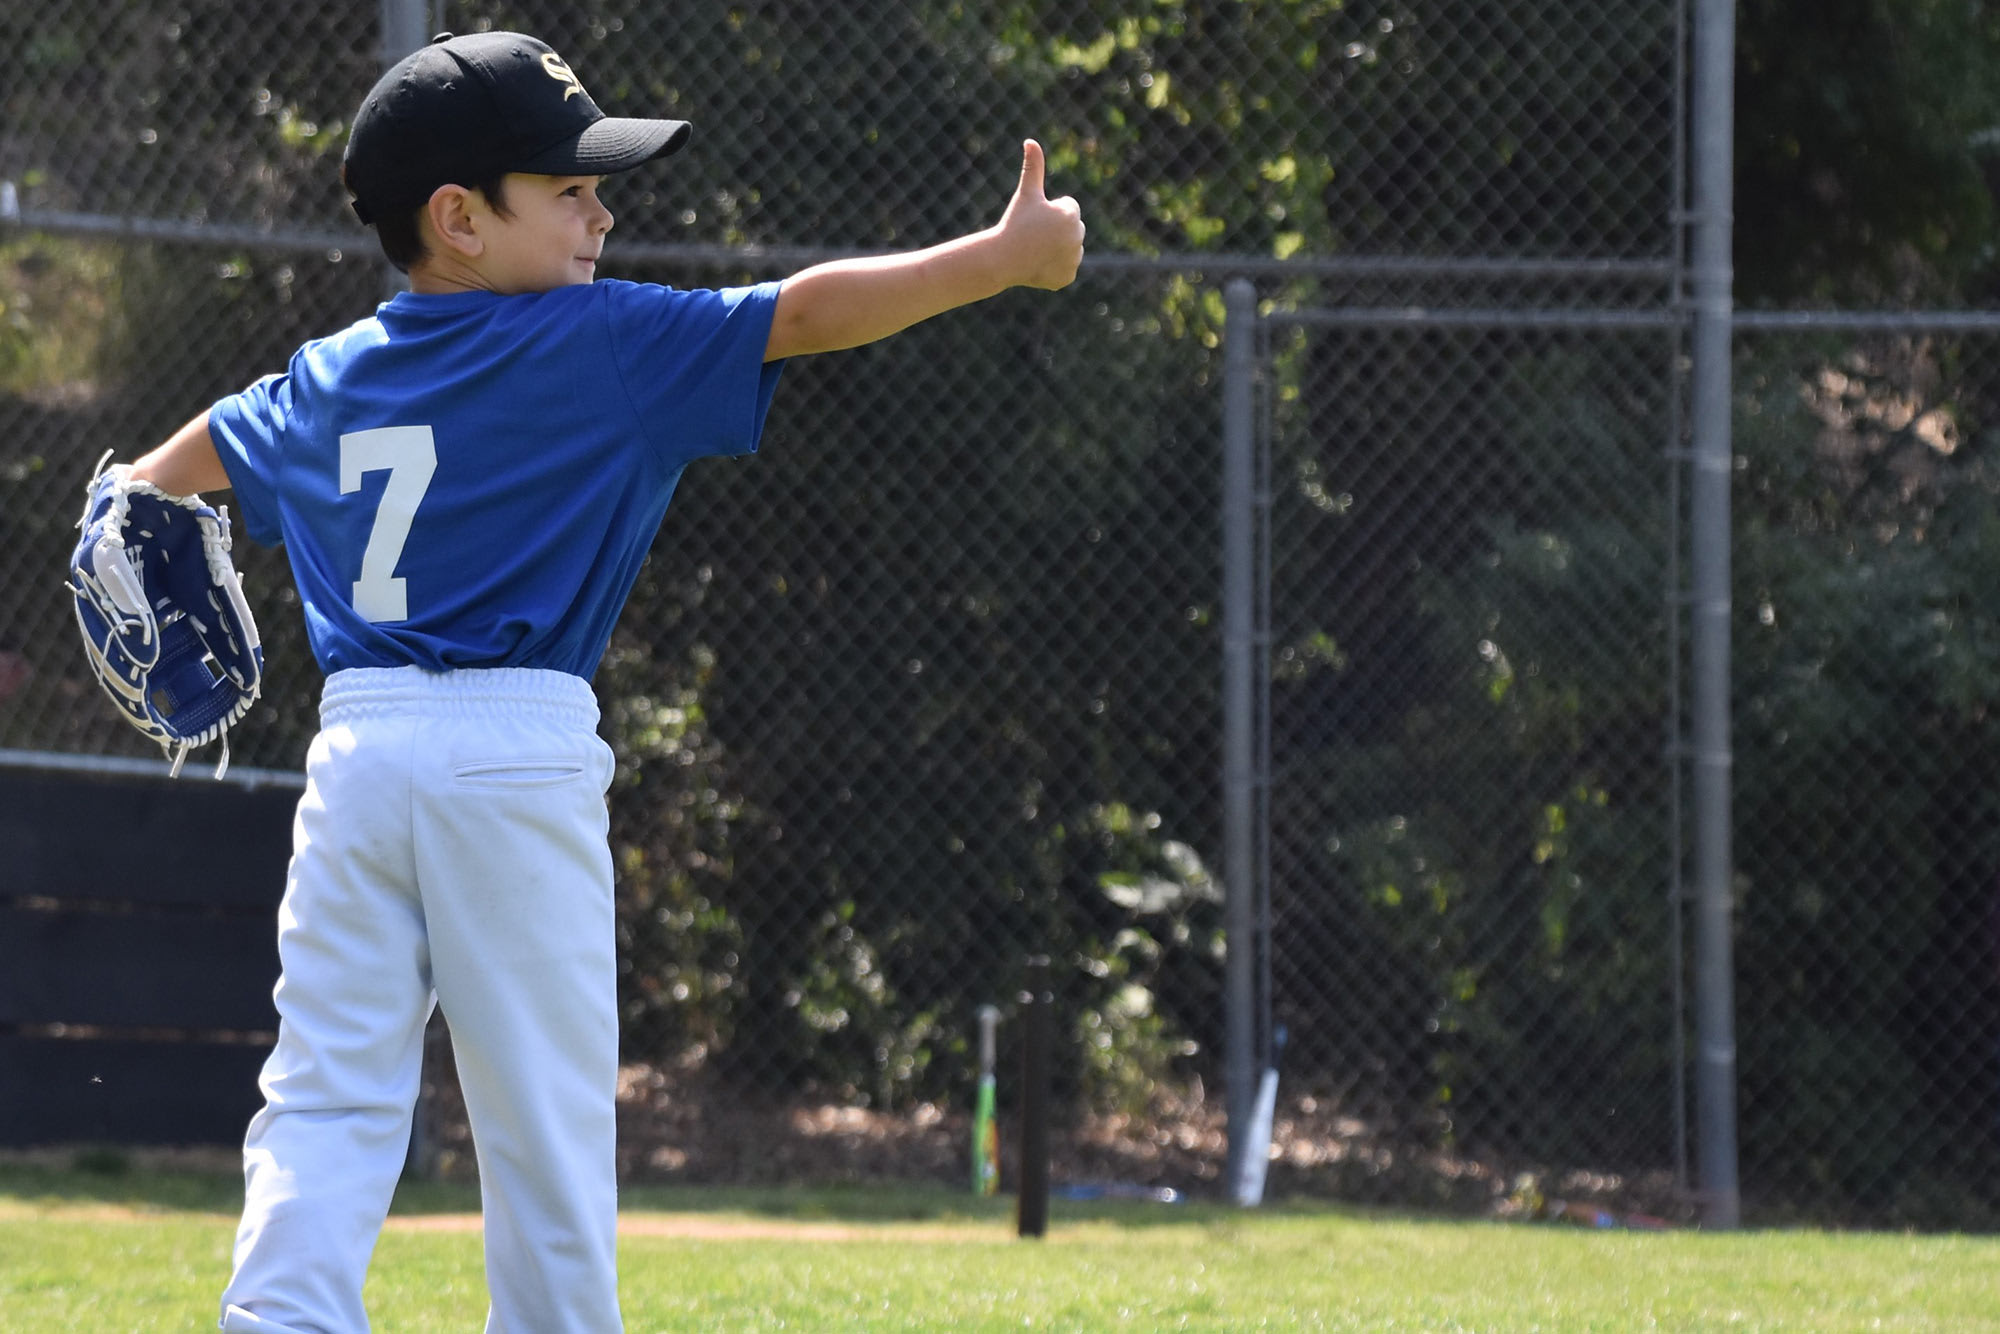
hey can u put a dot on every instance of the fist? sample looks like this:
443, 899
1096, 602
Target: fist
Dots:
1043, 237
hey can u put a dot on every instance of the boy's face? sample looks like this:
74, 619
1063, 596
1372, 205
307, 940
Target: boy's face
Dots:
550, 237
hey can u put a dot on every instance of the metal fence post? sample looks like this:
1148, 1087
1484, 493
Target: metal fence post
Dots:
1715, 1024
402, 28
1240, 1067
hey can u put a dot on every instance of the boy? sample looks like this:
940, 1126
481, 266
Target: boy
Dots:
466, 484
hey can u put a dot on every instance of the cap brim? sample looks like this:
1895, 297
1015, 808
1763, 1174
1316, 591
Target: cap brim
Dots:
614, 143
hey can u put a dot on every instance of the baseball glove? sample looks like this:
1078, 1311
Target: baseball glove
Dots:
162, 613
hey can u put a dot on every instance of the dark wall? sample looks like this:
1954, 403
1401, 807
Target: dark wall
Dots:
138, 948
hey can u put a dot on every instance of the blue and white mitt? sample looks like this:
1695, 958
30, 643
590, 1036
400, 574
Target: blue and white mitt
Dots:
162, 614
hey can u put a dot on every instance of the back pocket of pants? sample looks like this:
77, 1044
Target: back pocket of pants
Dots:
518, 773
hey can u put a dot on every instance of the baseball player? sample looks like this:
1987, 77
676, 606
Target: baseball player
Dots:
466, 483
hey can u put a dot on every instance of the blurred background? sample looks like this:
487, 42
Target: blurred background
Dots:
934, 683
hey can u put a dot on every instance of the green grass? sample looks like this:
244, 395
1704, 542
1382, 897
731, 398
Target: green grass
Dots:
115, 1251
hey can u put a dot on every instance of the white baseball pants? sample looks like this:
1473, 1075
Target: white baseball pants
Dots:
450, 848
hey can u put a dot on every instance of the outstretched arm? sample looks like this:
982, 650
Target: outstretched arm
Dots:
1038, 242
187, 463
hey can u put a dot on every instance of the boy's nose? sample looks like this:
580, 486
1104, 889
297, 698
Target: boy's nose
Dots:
604, 219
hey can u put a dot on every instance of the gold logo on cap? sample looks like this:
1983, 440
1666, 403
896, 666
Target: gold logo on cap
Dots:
552, 65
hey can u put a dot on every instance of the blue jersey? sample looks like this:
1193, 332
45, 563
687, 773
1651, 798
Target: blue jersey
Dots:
471, 480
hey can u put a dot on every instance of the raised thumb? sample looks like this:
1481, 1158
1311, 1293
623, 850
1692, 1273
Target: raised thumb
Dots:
1031, 170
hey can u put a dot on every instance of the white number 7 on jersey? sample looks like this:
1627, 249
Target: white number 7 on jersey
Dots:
410, 457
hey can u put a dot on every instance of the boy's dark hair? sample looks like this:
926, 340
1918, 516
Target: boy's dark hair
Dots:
401, 231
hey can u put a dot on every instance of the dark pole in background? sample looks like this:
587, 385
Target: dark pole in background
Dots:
405, 27
1036, 1002
1240, 1066
1714, 118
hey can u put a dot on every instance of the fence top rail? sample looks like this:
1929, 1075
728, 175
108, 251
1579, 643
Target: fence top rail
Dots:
1433, 317
128, 767
1668, 317
1867, 321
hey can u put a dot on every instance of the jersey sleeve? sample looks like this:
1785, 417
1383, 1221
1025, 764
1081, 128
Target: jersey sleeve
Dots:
692, 365
248, 429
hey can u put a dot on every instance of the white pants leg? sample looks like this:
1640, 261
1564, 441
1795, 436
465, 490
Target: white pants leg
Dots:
452, 835
524, 949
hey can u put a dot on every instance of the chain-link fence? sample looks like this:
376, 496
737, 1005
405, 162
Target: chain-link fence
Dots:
1470, 537
935, 682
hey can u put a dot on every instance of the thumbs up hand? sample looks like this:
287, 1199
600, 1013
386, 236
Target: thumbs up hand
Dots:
1042, 238
1038, 242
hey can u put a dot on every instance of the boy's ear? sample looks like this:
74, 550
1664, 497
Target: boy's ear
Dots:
450, 213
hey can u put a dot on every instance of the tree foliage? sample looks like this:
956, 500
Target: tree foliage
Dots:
1866, 142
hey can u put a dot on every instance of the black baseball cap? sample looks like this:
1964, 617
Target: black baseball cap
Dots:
466, 109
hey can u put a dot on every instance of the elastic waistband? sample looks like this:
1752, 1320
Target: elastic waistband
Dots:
362, 692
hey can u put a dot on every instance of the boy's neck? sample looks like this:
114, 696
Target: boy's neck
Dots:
438, 280
429, 280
